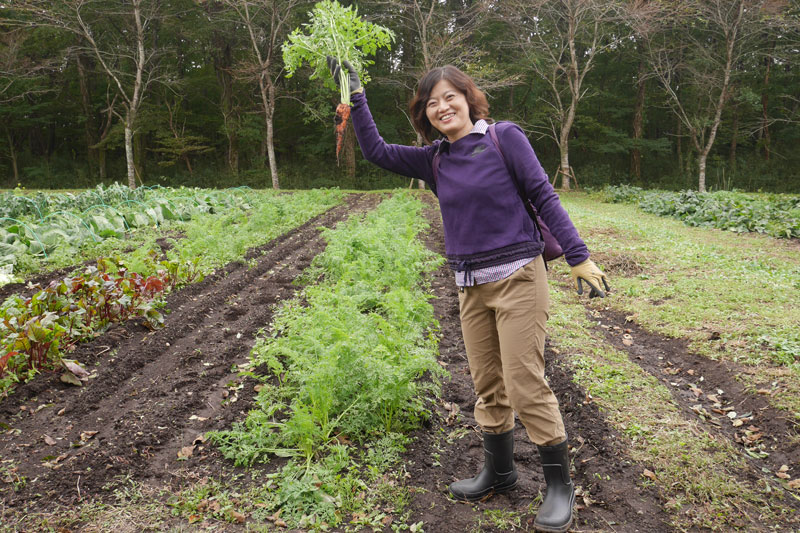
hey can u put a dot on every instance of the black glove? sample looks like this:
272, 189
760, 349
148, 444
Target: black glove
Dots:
352, 78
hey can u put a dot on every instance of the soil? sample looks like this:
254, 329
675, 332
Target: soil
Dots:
153, 394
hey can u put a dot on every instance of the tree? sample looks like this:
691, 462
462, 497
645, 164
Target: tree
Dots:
121, 36
266, 23
560, 41
693, 53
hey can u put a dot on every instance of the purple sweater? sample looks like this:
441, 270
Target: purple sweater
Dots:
485, 223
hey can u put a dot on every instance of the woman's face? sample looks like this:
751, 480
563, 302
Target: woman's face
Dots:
448, 111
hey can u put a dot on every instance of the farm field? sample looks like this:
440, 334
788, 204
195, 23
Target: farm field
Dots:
681, 392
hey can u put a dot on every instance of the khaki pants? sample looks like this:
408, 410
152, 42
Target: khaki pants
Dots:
503, 323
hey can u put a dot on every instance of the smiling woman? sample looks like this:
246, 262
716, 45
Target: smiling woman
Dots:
496, 253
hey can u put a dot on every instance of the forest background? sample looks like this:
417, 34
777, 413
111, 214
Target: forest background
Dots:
660, 94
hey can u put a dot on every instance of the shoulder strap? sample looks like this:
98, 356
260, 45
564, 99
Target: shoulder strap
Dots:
528, 205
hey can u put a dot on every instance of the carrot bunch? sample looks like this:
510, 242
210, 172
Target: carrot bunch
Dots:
336, 31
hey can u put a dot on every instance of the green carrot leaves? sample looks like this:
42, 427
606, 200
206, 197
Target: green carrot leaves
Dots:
339, 32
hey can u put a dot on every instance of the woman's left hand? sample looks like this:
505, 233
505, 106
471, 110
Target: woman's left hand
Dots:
589, 273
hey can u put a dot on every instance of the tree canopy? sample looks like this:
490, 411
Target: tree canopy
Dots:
656, 93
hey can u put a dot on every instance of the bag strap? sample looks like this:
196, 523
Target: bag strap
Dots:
529, 207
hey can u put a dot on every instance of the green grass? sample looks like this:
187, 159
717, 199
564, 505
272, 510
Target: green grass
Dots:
694, 471
733, 296
215, 238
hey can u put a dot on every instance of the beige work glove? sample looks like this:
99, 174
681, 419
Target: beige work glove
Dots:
592, 276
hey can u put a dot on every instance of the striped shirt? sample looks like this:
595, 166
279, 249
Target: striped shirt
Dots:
493, 273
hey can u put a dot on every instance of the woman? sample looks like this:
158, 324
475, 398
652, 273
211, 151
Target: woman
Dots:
496, 255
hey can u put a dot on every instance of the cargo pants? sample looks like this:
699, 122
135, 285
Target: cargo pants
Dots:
503, 323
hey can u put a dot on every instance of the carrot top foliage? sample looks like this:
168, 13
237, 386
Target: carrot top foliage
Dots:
339, 32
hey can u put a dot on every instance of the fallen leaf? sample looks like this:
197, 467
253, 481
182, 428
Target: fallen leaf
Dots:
61, 412
200, 439
697, 391
627, 342
198, 418
794, 484
783, 475
732, 415
185, 452
195, 518
50, 441
236, 516
75, 368
86, 435
783, 468
713, 398
258, 387
649, 474
71, 379
690, 372
765, 392
738, 422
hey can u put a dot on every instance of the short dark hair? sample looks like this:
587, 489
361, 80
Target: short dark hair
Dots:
476, 99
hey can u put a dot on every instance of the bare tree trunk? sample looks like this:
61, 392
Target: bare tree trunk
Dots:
764, 132
270, 111
638, 121
679, 144
13, 154
701, 166
222, 65
129, 151
563, 146
90, 124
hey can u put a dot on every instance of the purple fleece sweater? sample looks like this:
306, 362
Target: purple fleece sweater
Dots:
485, 223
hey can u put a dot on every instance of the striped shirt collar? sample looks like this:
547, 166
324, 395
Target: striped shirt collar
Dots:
480, 127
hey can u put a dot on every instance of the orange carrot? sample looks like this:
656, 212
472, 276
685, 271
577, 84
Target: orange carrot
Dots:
340, 121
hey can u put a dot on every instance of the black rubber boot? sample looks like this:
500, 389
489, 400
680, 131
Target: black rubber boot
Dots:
498, 474
555, 513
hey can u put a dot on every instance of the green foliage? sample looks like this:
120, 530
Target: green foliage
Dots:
34, 332
773, 214
349, 355
339, 32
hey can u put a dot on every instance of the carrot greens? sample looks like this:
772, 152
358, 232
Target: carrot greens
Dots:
338, 32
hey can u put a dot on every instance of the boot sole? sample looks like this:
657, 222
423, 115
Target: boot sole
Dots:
546, 529
485, 494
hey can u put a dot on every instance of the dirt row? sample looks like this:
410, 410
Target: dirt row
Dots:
610, 498
152, 393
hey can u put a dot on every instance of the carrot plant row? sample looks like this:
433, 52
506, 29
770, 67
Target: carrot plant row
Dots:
351, 359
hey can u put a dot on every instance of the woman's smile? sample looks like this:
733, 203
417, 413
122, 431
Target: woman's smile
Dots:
448, 111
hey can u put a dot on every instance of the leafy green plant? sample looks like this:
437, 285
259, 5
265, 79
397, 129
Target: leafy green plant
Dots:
773, 214
349, 362
338, 32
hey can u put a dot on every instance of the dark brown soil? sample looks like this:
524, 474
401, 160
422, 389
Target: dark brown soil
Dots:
153, 392
710, 391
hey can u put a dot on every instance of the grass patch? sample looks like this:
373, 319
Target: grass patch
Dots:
694, 471
733, 296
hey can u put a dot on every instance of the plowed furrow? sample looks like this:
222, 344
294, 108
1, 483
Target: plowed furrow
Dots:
155, 391
606, 476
